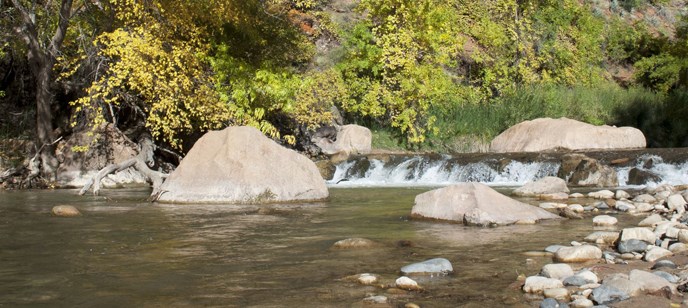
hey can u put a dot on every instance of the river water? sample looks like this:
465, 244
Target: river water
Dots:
125, 252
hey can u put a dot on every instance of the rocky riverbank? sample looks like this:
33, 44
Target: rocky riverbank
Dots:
630, 267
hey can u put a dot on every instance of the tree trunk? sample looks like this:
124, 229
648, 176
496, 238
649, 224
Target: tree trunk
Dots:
42, 56
44, 119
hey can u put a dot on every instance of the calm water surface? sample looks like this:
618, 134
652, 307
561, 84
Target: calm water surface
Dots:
125, 252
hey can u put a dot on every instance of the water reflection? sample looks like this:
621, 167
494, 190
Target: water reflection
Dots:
124, 251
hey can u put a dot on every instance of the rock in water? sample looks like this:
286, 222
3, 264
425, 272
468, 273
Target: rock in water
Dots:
606, 295
581, 253
65, 211
475, 204
432, 266
240, 165
546, 185
549, 134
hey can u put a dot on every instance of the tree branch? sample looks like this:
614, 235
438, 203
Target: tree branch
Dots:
140, 163
28, 29
61, 31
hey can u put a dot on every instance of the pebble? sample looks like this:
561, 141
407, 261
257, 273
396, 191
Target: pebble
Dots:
576, 195
406, 283
664, 264
367, 279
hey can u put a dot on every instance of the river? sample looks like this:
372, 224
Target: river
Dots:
125, 252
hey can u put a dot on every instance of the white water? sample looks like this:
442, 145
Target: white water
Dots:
423, 171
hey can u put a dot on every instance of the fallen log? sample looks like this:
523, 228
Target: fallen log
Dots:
141, 163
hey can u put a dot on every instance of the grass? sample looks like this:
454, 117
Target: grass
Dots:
469, 127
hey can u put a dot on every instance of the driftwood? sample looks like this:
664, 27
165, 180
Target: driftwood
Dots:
141, 163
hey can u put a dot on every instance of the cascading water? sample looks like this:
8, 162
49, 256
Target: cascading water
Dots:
429, 170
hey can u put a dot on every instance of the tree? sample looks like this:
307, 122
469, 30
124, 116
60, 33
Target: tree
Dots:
43, 29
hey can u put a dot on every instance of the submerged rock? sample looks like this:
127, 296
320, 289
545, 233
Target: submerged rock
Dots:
65, 211
604, 220
241, 165
432, 266
353, 243
475, 204
406, 283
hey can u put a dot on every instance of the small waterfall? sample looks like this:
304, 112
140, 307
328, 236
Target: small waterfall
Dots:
442, 170
671, 173
431, 171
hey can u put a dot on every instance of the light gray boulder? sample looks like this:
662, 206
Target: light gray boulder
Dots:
607, 294
240, 165
556, 271
576, 254
639, 233
650, 282
656, 253
546, 134
604, 220
475, 204
351, 139
538, 284
432, 266
546, 185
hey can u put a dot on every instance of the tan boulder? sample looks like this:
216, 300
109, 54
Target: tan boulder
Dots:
65, 211
475, 204
546, 134
240, 165
351, 140
547, 186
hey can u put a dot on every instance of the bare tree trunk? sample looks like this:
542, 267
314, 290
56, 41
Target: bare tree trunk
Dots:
141, 163
42, 55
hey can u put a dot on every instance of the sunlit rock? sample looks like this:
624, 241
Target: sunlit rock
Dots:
65, 211
354, 243
546, 185
604, 220
550, 134
576, 254
432, 266
240, 165
475, 204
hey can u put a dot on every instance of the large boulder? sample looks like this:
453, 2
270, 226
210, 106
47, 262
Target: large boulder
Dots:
548, 134
241, 165
475, 204
350, 140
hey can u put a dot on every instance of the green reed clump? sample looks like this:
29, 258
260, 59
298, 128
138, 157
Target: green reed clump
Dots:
482, 121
